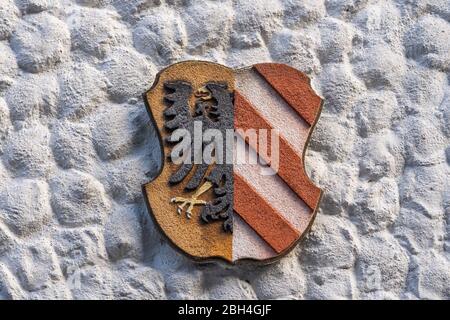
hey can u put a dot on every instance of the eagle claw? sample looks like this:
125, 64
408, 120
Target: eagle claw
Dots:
193, 201
189, 202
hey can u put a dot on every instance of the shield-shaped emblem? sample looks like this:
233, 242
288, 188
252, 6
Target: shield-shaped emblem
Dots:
232, 184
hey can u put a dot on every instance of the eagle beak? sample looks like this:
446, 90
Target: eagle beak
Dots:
203, 94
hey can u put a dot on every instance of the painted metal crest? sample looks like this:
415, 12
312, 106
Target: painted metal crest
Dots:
232, 184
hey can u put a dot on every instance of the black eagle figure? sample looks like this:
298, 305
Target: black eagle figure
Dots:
214, 108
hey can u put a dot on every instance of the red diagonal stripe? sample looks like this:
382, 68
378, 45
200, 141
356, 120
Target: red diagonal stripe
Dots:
294, 87
261, 217
290, 163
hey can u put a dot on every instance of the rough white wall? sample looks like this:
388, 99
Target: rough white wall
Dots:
76, 145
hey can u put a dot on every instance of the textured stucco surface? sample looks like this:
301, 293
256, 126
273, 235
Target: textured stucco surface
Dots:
76, 145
